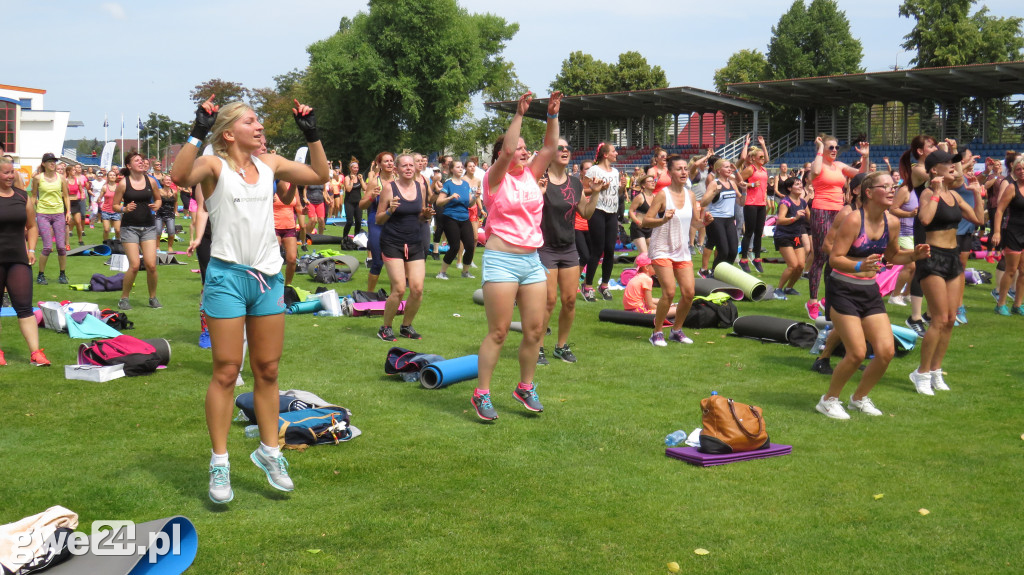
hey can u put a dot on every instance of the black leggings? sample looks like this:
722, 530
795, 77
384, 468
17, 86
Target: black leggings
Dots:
583, 247
753, 218
722, 234
459, 233
604, 230
17, 279
353, 216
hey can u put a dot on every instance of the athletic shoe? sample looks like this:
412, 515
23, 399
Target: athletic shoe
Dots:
1010, 294
154, 303
657, 339
484, 407
898, 300
220, 484
541, 358
81, 243
1019, 310
62, 279
386, 334
435, 256
473, 265
918, 325
565, 354
922, 382
806, 275
123, 303
6, 300
791, 291
678, 336
745, 265
38, 359
758, 266
441, 276
780, 294
41, 279
606, 293
528, 397
458, 265
822, 365
204, 339
961, 314
865, 405
588, 295
468, 275
832, 408
276, 469
409, 332
938, 383
1002, 310
2, 360
705, 274
813, 309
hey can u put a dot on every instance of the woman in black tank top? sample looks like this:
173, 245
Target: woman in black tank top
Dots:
1011, 201
638, 209
137, 197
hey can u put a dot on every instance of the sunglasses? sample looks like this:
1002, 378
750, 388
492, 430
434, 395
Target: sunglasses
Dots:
833, 147
561, 148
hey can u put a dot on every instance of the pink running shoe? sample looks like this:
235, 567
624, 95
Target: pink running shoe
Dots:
813, 309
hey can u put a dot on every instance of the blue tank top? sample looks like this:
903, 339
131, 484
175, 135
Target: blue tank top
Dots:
724, 204
863, 246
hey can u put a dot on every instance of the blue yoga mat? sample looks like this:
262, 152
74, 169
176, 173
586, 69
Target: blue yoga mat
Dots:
98, 250
905, 337
9, 311
311, 306
449, 371
164, 547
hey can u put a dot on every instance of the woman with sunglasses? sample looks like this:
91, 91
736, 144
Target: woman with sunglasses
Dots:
638, 210
53, 215
604, 224
564, 200
829, 178
755, 207
659, 169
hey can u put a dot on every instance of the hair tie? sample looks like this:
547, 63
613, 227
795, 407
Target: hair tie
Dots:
597, 155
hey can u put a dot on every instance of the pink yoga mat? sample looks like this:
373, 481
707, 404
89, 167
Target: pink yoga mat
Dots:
373, 308
691, 455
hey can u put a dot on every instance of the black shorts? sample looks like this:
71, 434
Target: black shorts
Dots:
636, 231
787, 243
850, 296
409, 252
1012, 240
559, 258
965, 242
76, 207
944, 262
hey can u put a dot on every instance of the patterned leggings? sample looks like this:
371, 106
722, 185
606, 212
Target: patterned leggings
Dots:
53, 227
821, 221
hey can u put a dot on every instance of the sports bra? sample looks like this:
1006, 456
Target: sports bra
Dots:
642, 208
864, 246
946, 217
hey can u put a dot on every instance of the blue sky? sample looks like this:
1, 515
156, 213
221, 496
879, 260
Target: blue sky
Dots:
95, 58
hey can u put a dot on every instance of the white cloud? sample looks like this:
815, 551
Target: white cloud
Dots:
115, 10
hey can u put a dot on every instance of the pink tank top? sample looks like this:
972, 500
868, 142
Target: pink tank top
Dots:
514, 210
828, 189
757, 190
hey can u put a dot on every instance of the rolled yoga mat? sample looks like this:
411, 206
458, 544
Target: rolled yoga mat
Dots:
707, 286
312, 306
628, 318
753, 288
779, 329
449, 371
321, 239
162, 547
517, 326
478, 296
904, 338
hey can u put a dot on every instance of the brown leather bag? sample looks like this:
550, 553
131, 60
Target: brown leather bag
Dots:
730, 426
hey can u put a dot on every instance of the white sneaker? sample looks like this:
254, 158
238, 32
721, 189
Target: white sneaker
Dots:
938, 383
897, 300
865, 405
832, 407
441, 276
220, 484
239, 382
922, 382
459, 265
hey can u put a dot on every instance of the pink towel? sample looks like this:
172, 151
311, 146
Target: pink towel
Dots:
887, 279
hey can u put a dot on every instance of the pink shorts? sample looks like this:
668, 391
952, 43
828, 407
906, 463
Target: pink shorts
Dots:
286, 232
316, 210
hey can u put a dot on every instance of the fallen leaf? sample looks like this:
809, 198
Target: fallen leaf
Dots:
711, 342
879, 496
971, 346
313, 550
29, 414
701, 551
316, 325
1022, 436
923, 511
336, 472
673, 567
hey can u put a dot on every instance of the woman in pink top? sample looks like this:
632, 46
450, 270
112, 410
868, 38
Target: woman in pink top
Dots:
755, 208
107, 213
512, 271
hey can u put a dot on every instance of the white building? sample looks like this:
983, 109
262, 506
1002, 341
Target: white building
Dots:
27, 129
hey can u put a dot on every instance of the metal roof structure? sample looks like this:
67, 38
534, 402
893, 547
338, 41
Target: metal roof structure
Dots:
947, 84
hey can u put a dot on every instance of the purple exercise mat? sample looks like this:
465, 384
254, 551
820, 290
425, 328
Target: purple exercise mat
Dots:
691, 455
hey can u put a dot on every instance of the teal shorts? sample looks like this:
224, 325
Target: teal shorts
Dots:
234, 290
503, 267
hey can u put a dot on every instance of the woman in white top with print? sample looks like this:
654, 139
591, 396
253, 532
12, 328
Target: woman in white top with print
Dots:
672, 214
604, 224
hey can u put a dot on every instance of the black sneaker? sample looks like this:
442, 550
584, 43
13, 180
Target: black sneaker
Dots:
588, 294
541, 359
757, 266
41, 279
528, 397
409, 332
606, 293
386, 334
436, 256
565, 354
822, 365
917, 325
62, 278
790, 291
705, 274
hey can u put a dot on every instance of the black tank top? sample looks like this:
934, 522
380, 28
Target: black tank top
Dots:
355, 194
141, 216
946, 217
1015, 211
13, 217
404, 224
644, 207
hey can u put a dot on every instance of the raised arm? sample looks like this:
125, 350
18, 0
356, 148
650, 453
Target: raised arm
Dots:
500, 165
540, 162
764, 149
319, 170
187, 172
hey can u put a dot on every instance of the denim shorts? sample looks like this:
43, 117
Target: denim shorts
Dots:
234, 290
139, 234
111, 216
504, 267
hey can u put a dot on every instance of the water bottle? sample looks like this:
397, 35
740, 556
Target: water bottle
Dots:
252, 431
819, 344
675, 438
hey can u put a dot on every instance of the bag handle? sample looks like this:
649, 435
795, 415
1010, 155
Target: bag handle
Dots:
739, 423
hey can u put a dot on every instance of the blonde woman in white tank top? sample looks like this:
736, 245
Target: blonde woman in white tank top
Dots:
672, 214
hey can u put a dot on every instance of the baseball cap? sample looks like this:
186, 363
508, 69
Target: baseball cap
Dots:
48, 157
940, 157
642, 260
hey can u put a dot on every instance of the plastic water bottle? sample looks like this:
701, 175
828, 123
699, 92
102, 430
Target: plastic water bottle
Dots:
675, 438
252, 431
819, 344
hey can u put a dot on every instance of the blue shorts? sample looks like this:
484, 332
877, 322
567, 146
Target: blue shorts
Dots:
111, 216
503, 267
234, 290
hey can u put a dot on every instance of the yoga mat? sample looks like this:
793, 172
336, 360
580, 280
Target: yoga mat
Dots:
155, 539
163, 349
478, 296
98, 250
691, 455
335, 221
625, 258
628, 318
305, 307
449, 371
9, 312
779, 329
517, 326
321, 239
373, 308
753, 288
81, 250
905, 338
707, 286
346, 263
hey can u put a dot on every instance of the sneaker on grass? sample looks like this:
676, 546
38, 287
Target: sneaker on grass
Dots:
780, 294
832, 407
154, 303
468, 275
565, 354
123, 303
483, 406
813, 309
606, 293
276, 469
2, 360
220, 484
865, 405
409, 332
657, 339
541, 358
918, 325
528, 397
745, 265
41, 279
588, 295
922, 382
62, 278
938, 383
790, 291
678, 336
758, 266
204, 339
38, 359
441, 276
1000, 310
385, 333
822, 365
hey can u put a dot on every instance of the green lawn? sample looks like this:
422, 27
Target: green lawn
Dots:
584, 487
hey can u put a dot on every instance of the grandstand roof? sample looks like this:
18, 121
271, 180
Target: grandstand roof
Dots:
635, 103
946, 84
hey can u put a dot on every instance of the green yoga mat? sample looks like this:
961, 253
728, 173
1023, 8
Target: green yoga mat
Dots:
312, 306
753, 288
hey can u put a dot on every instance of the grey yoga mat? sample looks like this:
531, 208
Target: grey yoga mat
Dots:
162, 547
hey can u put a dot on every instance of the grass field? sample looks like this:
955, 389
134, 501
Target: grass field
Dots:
584, 487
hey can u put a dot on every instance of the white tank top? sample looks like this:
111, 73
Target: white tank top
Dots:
242, 220
671, 240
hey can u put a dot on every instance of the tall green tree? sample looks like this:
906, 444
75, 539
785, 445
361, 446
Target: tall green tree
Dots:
225, 91
274, 107
581, 74
743, 66
400, 74
632, 72
159, 132
813, 40
946, 34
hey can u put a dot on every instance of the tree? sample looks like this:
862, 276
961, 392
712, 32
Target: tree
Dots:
743, 66
274, 107
224, 90
813, 40
582, 74
945, 35
159, 132
634, 73
402, 73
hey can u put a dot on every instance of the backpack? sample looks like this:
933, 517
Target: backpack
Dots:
323, 271
347, 244
326, 424
116, 319
137, 356
100, 282
705, 313
247, 404
114, 245
362, 296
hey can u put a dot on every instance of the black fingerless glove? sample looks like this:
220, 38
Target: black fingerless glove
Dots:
307, 125
203, 124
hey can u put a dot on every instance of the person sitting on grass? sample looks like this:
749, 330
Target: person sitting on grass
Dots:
638, 296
